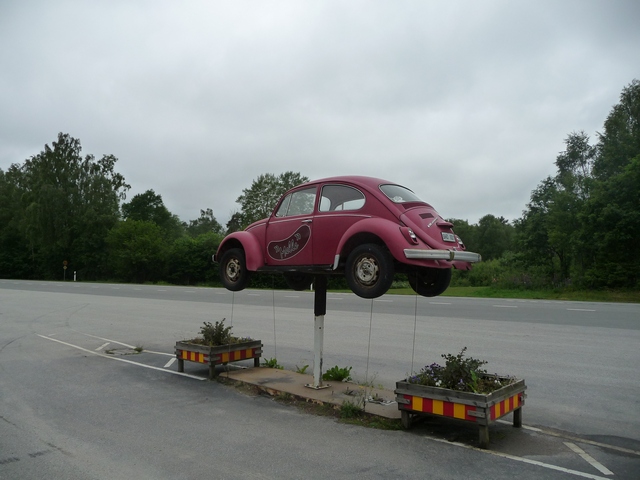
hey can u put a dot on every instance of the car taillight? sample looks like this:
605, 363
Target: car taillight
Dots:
409, 235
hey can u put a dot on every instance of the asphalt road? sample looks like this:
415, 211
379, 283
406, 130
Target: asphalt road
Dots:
67, 411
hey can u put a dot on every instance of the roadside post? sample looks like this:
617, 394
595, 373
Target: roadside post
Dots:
319, 311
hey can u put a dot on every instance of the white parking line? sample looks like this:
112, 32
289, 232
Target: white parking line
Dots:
505, 306
170, 362
592, 461
124, 344
580, 310
123, 359
439, 303
522, 460
101, 347
576, 439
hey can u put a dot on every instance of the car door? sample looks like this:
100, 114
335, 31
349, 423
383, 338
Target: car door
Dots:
289, 231
339, 208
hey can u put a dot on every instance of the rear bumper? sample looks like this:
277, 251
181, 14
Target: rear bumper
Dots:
449, 255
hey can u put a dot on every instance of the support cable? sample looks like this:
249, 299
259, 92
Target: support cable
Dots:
415, 324
273, 303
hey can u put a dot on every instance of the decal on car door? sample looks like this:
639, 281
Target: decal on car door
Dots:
291, 246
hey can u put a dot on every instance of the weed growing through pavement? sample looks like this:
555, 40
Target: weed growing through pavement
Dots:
338, 374
351, 409
272, 363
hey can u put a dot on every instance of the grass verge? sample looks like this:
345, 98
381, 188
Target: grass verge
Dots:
614, 296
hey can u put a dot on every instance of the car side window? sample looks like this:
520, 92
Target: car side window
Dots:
340, 198
300, 202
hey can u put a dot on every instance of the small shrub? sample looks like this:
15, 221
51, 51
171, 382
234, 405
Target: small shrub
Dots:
350, 409
338, 374
216, 334
272, 363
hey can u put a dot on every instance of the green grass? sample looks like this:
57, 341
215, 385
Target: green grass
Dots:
621, 296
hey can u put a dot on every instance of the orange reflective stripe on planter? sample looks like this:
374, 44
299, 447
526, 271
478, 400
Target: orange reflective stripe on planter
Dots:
440, 407
508, 405
216, 355
193, 356
226, 357
482, 409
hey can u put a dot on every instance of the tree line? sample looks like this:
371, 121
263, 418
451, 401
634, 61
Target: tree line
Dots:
580, 228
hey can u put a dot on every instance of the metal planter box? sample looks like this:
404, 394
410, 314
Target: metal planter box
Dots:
478, 408
218, 355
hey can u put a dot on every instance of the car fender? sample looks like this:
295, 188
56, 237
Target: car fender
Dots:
386, 230
249, 243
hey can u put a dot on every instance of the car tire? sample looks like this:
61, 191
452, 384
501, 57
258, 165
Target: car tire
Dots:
369, 270
430, 282
298, 281
233, 270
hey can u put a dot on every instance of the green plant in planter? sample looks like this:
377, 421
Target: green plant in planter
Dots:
459, 373
214, 335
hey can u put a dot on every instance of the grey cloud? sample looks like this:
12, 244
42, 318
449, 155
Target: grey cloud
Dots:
465, 102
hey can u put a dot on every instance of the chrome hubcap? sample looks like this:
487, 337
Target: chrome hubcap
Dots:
366, 270
233, 269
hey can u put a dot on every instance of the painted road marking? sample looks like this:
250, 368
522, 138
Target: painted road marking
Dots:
522, 460
580, 310
505, 306
592, 461
576, 439
170, 362
123, 359
125, 344
439, 303
101, 347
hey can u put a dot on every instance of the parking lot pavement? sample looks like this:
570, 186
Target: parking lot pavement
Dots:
535, 445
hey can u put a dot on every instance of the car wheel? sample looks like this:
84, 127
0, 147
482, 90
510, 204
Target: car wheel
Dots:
369, 271
298, 281
430, 282
233, 270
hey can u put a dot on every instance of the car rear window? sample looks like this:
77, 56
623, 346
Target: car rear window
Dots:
398, 194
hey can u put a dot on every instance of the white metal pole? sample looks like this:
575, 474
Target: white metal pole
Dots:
318, 341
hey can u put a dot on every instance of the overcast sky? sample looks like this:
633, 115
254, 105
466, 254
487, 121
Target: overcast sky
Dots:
465, 102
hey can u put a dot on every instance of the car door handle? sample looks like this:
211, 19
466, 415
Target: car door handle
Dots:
308, 220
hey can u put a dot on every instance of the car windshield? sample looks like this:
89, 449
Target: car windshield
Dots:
398, 194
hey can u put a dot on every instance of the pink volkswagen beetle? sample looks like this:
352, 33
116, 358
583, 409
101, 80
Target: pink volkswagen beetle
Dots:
365, 228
